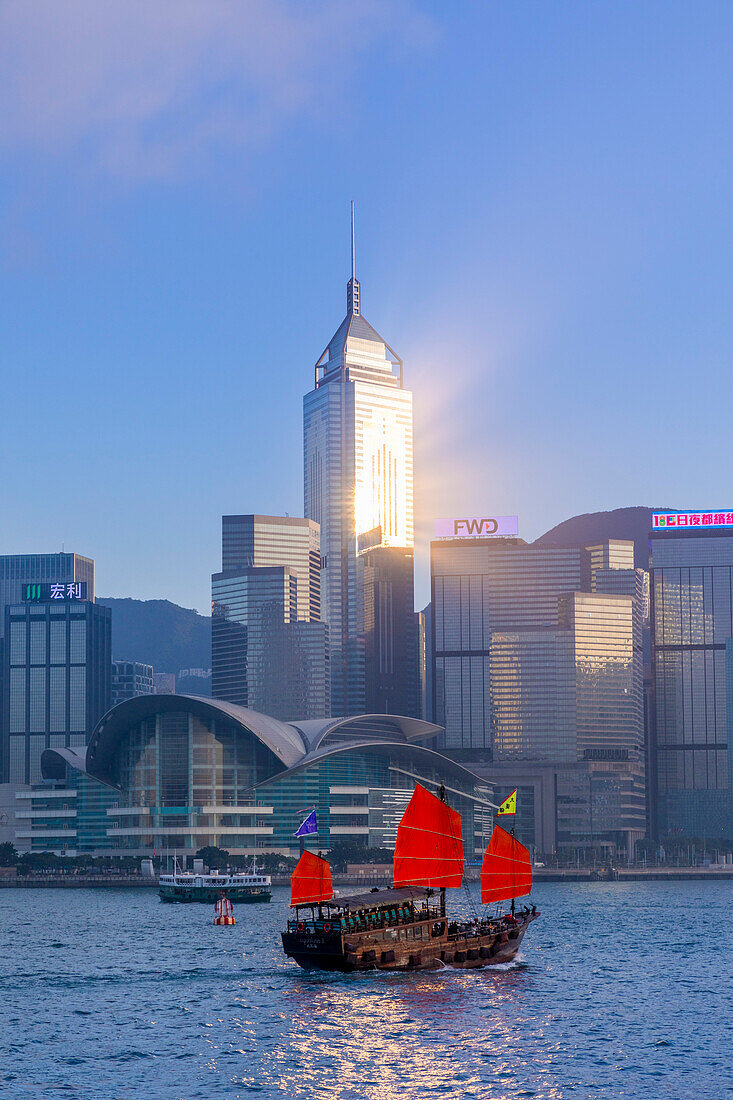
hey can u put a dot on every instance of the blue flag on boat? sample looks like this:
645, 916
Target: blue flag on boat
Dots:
309, 826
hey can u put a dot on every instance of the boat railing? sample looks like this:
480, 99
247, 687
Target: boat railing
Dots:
374, 923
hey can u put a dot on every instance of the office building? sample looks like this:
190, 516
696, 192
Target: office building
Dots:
425, 662
19, 570
534, 677
390, 632
56, 672
189, 772
255, 542
164, 683
357, 449
609, 711
482, 586
129, 679
269, 649
691, 559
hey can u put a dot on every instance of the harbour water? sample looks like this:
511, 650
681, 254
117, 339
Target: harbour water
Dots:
622, 990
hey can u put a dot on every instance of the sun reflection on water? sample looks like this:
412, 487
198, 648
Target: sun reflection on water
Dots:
386, 1035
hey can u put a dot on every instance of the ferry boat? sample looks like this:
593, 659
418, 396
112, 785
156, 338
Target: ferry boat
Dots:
406, 926
239, 887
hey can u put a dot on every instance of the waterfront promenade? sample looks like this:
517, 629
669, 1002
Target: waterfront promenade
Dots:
549, 874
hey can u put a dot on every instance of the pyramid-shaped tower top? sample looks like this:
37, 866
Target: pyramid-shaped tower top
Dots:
356, 349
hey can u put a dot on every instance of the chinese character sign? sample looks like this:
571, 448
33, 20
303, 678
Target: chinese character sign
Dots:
691, 519
69, 591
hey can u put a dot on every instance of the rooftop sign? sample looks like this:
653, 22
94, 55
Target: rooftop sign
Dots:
45, 593
691, 519
477, 527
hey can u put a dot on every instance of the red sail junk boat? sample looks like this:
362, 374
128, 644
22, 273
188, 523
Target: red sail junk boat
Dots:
405, 927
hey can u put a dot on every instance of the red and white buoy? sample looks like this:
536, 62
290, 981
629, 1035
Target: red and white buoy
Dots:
223, 911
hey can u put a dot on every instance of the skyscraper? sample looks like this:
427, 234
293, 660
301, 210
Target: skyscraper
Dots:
481, 586
539, 683
17, 570
251, 542
357, 444
269, 649
692, 624
57, 674
392, 681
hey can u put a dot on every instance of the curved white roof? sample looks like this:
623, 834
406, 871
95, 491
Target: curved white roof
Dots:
293, 743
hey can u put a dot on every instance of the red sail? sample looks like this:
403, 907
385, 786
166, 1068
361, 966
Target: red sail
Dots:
506, 871
429, 849
310, 882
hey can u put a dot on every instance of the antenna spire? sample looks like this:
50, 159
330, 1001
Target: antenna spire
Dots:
353, 290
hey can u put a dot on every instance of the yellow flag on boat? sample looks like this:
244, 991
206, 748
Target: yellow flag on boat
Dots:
509, 805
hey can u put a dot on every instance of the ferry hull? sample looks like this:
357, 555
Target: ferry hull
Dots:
369, 952
209, 895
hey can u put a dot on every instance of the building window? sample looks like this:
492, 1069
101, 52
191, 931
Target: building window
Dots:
77, 698
37, 716
17, 643
17, 759
17, 700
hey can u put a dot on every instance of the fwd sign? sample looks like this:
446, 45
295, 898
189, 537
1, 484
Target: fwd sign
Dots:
477, 527
33, 592
474, 526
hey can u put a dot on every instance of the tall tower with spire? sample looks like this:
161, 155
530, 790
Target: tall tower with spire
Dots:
357, 449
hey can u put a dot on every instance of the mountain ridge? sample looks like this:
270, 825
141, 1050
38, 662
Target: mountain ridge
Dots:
159, 633
592, 527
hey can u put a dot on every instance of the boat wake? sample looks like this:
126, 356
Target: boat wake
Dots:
518, 962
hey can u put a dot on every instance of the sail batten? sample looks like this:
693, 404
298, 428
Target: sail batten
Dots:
506, 871
310, 881
429, 848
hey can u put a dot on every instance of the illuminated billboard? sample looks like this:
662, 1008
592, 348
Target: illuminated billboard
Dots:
691, 519
45, 593
477, 527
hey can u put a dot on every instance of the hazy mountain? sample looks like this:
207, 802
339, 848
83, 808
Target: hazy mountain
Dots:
593, 527
159, 633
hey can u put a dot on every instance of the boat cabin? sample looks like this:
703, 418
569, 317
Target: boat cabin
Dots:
377, 909
214, 879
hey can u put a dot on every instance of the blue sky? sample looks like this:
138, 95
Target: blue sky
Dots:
544, 235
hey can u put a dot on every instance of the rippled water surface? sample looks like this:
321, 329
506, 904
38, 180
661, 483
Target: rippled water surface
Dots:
621, 991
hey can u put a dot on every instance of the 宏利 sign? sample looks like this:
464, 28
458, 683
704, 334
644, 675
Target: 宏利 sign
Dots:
46, 593
477, 527
692, 519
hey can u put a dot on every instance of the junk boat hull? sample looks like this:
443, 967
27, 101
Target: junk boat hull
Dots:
408, 943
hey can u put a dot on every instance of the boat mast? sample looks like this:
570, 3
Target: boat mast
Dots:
441, 795
512, 836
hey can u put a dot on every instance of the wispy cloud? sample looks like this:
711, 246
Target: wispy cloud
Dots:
148, 88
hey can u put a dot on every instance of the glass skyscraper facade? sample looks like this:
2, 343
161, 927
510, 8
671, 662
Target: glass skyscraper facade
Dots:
252, 542
481, 587
692, 624
390, 632
57, 677
531, 707
532, 672
357, 443
609, 707
269, 648
17, 570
